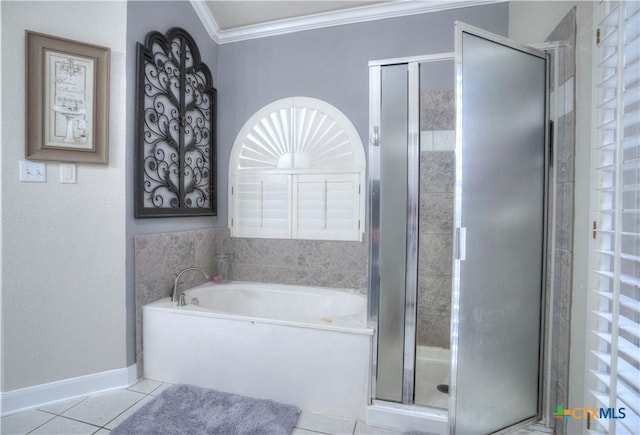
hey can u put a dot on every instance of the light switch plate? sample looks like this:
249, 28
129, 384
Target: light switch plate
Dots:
68, 173
33, 172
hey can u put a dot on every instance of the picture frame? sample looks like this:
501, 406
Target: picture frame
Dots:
67, 100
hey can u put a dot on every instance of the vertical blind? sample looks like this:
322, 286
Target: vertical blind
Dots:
615, 258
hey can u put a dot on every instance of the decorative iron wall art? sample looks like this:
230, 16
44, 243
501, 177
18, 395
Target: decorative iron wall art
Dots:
176, 146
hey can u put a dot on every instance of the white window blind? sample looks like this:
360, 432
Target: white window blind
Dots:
614, 377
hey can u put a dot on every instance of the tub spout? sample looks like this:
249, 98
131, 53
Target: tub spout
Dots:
175, 296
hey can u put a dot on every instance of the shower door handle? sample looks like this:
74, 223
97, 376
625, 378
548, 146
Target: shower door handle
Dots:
375, 137
460, 243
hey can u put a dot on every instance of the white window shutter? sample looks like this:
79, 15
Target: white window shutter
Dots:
327, 206
614, 377
320, 153
261, 206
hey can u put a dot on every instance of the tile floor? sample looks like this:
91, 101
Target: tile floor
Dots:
99, 413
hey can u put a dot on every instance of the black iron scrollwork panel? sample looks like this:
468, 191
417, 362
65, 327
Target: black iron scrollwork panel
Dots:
175, 167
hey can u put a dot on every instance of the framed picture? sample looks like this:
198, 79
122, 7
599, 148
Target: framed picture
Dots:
67, 100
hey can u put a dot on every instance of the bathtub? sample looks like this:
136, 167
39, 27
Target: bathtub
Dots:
306, 346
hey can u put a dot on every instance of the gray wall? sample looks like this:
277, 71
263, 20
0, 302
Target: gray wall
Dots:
142, 18
61, 245
330, 64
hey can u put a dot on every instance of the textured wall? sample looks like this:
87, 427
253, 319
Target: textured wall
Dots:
63, 287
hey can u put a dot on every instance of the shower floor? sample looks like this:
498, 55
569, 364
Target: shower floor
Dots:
432, 369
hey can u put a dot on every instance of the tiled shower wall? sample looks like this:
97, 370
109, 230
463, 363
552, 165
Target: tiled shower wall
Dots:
437, 177
559, 287
159, 257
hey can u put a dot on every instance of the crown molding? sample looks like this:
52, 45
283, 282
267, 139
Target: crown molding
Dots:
208, 21
327, 19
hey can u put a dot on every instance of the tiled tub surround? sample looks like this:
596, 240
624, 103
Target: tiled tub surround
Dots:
159, 257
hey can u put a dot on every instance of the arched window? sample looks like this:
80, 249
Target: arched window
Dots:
297, 171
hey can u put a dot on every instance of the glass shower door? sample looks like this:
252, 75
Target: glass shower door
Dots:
500, 232
435, 232
392, 231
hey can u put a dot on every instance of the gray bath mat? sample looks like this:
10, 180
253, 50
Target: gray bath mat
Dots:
188, 410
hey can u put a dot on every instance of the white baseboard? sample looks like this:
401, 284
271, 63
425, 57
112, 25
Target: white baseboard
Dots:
39, 395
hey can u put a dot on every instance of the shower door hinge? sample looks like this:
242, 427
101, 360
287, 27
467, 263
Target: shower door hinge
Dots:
595, 230
598, 36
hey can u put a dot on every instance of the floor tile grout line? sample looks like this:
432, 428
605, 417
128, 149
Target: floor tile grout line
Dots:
67, 418
98, 427
35, 428
132, 405
143, 396
66, 409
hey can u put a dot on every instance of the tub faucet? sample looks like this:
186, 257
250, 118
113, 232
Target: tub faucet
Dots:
175, 296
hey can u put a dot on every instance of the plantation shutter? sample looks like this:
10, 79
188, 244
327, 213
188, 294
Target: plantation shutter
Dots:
262, 205
615, 257
296, 170
327, 203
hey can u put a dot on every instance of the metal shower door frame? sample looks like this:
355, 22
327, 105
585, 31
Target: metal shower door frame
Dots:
413, 192
460, 231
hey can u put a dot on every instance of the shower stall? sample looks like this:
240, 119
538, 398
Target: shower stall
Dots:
457, 179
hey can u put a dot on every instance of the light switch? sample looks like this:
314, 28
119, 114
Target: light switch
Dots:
33, 172
68, 173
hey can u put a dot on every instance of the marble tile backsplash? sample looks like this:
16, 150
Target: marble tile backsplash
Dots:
437, 110
435, 247
304, 262
159, 257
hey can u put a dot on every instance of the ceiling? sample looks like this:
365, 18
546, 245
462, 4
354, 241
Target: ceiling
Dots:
233, 14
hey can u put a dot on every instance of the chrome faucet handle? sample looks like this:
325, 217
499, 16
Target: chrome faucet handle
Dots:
181, 300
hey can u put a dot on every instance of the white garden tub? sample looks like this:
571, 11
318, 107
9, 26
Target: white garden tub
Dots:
307, 346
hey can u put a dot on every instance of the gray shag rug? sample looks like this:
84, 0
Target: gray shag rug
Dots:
188, 410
